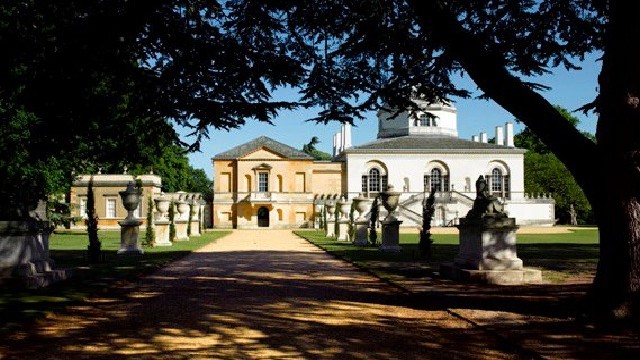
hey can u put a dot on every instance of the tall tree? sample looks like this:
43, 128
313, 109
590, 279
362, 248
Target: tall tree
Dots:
84, 82
362, 55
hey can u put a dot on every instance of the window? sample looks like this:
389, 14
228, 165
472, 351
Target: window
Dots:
425, 120
263, 182
496, 181
83, 208
111, 208
435, 180
374, 181
499, 183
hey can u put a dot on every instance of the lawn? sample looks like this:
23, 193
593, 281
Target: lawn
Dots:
559, 256
68, 249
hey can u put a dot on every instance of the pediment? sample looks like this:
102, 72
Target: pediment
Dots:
263, 153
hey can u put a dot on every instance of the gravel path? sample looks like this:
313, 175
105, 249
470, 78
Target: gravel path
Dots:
256, 295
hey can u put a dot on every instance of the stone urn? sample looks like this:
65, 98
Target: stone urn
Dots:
344, 207
390, 202
331, 209
183, 209
130, 199
162, 205
361, 204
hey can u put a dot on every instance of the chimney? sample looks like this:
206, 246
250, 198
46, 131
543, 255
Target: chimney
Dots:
337, 143
499, 135
508, 134
483, 137
346, 136
474, 138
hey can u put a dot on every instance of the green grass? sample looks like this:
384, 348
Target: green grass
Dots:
69, 250
559, 256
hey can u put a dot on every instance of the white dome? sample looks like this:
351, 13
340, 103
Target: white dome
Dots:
431, 119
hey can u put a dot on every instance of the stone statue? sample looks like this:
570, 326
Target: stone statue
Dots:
485, 204
572, 215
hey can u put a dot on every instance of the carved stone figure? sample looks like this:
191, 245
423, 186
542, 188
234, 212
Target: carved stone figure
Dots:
485, 204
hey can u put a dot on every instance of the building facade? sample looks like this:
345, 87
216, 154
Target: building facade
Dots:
414, 152
267, 184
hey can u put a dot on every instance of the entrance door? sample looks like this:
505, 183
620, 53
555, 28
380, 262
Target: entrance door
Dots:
263, 217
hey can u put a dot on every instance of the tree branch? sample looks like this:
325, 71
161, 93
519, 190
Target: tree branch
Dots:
489, 71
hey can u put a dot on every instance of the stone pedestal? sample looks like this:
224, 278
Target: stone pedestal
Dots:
181, 230
25, 258
488, 253
161, 229
331, 228
391, 235
343, 230
129, 230
361, 232
195, 228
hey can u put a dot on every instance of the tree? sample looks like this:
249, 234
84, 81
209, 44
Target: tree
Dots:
130, 72
201, 64
546, 174
310, 149
362, 55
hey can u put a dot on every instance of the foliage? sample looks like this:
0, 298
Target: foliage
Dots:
545, 173
172, 165
373, 220
149, 235
428, 208
172, 226
126, 86
94, 253
310, 149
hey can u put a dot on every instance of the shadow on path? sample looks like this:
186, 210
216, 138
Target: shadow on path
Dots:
278, 304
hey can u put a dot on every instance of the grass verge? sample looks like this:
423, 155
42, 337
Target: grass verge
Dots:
559, 256
69, 250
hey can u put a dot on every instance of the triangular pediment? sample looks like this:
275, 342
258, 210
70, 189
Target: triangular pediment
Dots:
263, 153
263, 148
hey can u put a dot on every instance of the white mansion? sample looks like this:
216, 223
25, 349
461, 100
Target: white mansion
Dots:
264, 183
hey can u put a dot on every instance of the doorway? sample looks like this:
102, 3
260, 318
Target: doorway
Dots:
263, 217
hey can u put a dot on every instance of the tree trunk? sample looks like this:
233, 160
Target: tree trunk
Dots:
616, 290
609, 172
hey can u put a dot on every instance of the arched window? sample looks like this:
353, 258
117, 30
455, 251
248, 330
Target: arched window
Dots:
374, 181
499, 182
437, 180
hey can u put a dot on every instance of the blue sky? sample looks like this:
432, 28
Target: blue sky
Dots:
570, 89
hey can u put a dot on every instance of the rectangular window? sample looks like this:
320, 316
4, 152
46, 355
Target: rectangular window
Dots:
445, 183
365, 186
383, 182
83, 208
111, 208
506, 180
263, 182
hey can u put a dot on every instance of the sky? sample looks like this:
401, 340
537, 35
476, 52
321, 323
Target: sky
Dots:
569, 89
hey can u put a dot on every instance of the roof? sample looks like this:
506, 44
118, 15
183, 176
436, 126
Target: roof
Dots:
430, 143
259, 143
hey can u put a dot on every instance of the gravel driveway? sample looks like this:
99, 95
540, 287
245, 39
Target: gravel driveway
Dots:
264, 294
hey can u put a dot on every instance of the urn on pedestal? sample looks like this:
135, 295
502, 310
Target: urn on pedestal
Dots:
130, 226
